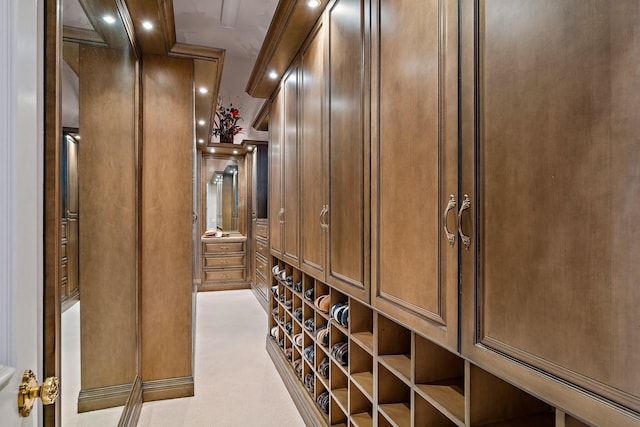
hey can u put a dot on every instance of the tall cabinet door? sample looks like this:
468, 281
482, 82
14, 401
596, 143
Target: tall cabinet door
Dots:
348, 210
415, 165
551, 155
312, 164
290, 196
276, 213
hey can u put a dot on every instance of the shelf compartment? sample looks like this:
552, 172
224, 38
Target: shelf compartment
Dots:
337, 415
361, 324
362, 420
341, 396
495, 402
394, 397
360, 407
399, 364
361, 369
398, 414
439, 378
394, 347
427, 415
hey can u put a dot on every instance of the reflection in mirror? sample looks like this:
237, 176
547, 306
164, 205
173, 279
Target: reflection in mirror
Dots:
222, 194
98, 180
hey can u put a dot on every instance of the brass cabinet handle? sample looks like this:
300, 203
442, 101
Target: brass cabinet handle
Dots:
451, 205
281, 216
322, 216
29, 392
466, 204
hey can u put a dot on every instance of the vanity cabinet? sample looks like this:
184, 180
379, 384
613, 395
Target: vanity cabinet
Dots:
223, 263
276, 212
415, 173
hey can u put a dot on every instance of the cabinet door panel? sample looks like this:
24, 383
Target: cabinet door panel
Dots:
416, 157
348, 188
557, 185
290, 164
275, 175
311, 157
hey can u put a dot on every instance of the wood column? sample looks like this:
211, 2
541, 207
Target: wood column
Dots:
166, 221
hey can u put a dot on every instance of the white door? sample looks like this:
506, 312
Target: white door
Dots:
21, 193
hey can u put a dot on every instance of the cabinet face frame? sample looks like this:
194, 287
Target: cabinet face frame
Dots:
439, 323
575, 395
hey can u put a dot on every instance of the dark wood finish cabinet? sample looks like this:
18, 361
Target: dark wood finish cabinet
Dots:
550, 163
258, 159
415, 158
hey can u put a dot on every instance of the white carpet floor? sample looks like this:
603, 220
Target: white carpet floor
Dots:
236, 383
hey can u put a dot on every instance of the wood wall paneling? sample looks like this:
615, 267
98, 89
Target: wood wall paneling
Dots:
556, 282
108, 236
348, 214
167, 217
312, 161
291, 197
275, 175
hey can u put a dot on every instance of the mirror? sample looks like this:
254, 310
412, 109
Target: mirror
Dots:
99, 284
222, 194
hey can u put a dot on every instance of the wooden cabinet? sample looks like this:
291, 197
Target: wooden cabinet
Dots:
259, 160
334, 151
223, 263
290, 197
275, 175
550, 162
415, 158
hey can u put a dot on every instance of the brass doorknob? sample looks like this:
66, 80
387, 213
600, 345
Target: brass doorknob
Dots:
29, 392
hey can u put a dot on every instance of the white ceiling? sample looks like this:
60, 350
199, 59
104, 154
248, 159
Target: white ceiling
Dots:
198, 22
74, 16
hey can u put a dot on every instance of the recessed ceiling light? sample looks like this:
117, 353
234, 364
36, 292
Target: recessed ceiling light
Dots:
250, 148
203, 90
313, 3
78, 137
212, 150
235, 151
147, 25
201, 141
109, 19
273, 75
201, 122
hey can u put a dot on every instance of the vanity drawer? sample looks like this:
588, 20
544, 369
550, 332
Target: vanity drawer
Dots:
262, 229
224, 261
223, 275
262, 266
262, 247
216, 248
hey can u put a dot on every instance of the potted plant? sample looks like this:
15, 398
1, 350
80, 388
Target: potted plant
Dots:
225, 124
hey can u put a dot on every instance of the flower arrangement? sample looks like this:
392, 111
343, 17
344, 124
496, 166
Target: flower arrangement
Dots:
225, 124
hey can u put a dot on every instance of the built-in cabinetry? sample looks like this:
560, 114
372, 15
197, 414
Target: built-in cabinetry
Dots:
500, 164
390, 375
332, 152
223, 262
258, 157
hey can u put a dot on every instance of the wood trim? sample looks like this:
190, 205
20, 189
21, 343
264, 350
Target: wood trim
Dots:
52, 201
185, 50
133, 407
211, 287
81, 35
306, 406
261, 121
262, 299
168, 20
291, 23
103, 397
170, 388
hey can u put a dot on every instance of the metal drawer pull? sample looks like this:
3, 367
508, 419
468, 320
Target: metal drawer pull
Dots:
466, 204
450, 236
326, 216
321, 216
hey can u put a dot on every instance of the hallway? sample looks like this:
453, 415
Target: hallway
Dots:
236, 383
